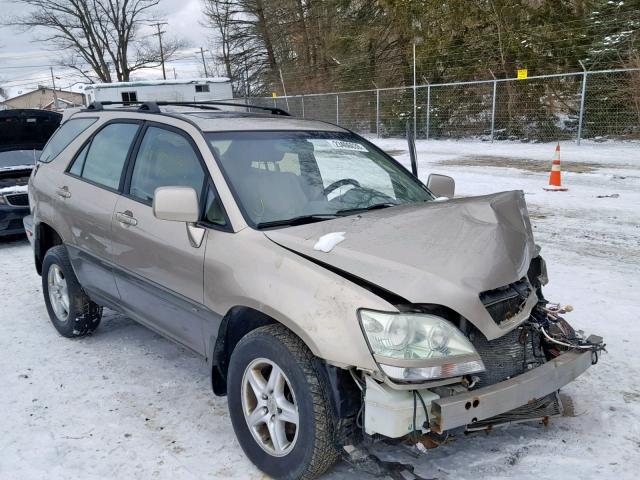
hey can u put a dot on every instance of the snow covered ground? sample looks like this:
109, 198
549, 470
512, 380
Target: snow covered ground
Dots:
125, 403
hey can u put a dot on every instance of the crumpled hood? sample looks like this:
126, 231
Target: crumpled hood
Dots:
444, 253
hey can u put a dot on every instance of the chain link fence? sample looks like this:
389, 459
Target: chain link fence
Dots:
579, 105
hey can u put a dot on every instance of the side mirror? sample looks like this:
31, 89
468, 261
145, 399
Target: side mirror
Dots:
441, 185
176, 204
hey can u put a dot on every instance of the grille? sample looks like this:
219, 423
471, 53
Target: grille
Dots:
507, 356
506, 302
18, 199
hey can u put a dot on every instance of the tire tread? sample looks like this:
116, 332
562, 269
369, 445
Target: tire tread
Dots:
325, 453
91, 313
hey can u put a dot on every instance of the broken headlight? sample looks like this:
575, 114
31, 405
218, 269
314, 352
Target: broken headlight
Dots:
417, 346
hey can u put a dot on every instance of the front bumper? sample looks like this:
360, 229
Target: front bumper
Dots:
460, 410
11, 220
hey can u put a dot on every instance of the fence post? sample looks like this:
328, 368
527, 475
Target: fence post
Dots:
337, 109
378, 112
493, 109
584, 91
428, 108
302, 99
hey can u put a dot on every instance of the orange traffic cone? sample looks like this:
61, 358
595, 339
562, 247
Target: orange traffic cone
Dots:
555, 184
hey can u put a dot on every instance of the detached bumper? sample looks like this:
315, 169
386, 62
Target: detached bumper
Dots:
487, 402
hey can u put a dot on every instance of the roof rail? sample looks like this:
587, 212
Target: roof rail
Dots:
204, 104
153, 106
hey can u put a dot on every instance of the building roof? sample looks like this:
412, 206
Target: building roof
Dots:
49, 89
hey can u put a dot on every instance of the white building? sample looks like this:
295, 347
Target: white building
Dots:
191, 90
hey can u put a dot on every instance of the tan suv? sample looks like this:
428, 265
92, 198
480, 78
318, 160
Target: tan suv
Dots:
333, 295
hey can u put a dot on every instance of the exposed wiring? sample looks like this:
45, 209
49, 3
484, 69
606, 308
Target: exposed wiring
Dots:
356, 379
424, 406
564, 344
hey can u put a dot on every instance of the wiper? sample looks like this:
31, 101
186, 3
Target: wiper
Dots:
301, 220
375, 206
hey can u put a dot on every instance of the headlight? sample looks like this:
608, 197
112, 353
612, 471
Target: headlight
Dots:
417, 346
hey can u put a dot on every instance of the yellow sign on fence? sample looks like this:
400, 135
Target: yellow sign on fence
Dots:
522, 74
274, 94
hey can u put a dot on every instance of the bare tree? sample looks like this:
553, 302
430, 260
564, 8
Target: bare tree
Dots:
103, 34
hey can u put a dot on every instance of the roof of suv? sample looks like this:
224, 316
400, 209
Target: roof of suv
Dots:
212, 120
234, 121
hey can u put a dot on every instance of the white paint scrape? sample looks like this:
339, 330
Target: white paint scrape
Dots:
326, 242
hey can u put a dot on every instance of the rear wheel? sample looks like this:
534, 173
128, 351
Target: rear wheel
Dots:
70, 309
279, 405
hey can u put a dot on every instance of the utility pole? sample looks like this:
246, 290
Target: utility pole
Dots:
55, 95
204, 64
159, 34
175, 77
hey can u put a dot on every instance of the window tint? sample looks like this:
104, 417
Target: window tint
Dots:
165, 159
67, 132
108, 153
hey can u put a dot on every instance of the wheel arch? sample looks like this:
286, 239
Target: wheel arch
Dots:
45, 238
236, 323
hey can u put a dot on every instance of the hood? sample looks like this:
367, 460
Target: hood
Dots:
444, 253
26, 129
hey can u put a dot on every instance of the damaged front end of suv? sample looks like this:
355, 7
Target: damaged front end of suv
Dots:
473, 343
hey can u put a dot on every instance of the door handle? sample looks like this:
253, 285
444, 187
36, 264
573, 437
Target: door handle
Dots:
126, 218
63, 192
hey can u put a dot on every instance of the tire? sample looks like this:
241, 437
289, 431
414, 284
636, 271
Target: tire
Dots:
312, 448
76, 317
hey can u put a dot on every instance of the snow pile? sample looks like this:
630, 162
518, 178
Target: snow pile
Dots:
125, 403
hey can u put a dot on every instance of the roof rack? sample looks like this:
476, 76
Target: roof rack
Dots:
154, 107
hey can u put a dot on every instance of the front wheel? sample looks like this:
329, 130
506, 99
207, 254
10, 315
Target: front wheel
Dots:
279, 405
70, 309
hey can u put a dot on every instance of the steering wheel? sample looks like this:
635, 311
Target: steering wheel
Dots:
341, 183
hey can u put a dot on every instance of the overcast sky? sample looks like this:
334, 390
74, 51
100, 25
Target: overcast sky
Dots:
24, 63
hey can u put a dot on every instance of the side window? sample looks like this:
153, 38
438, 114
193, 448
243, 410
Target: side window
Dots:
129, 96
78, 163
107, 154
67, 132
165, 159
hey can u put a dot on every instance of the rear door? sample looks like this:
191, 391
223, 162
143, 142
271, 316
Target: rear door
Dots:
88, 195
158, 272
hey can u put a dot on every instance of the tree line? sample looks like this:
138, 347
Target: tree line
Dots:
311, 46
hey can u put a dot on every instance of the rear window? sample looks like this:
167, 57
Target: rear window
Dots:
67, 132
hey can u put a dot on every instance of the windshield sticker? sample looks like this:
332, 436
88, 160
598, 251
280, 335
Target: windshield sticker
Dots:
343, 145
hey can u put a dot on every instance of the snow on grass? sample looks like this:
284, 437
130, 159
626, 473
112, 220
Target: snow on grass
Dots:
126, 403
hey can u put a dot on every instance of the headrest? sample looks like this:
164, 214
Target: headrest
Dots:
244, 152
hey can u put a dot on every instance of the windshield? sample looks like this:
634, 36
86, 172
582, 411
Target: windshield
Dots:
282, 178
15, 158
